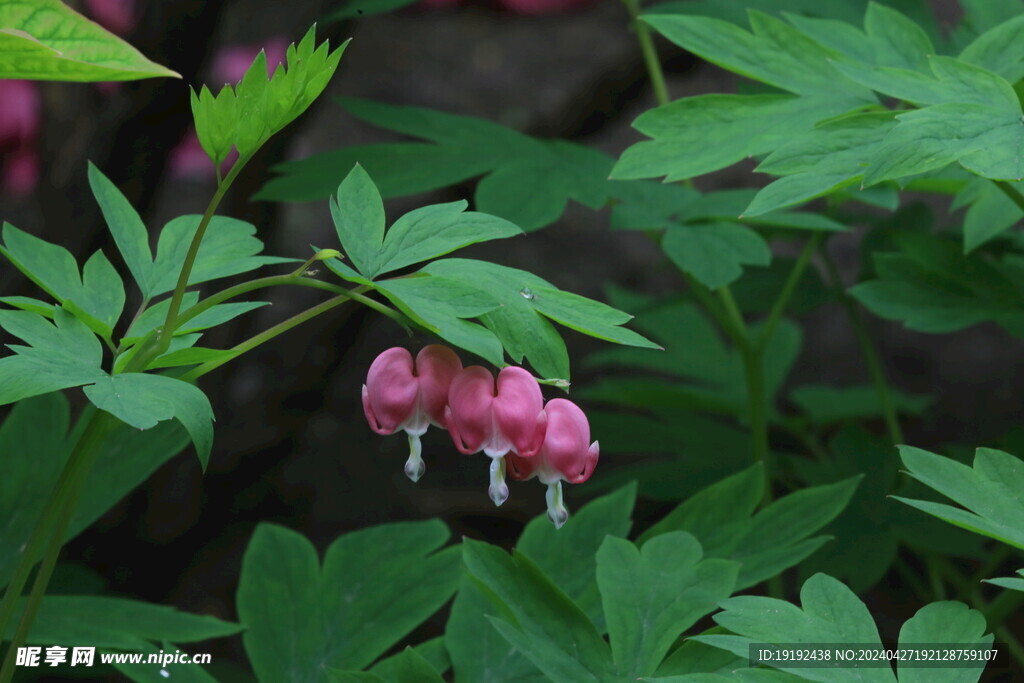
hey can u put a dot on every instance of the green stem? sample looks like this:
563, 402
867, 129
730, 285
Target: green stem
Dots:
867, 349
995, 559
935, 578
792, 280
264, 337
1005, 605
171, 322
56, 518
753, 364
734, 319
654, 70
147, 346
712, 307
912, 580
1011, 192
1007, 637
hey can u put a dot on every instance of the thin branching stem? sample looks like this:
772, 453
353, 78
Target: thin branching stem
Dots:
867, 349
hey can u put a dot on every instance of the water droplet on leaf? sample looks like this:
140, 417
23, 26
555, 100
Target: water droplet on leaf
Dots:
527, 293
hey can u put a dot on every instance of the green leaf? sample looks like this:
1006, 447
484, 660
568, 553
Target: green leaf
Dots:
947, 81
999, 49
774, 539
59, 356
773, 53
45, 40
718, 514
479, 653
697, 135
943, 622
154, 316
867, 533
991, 491
97, 296
1011, 583
216, 119
831, 613
118, 623
126, 227
526, 303
358, 214
651, 596
820, 161
191, 356
352, 9
435, 230
374, 587
697, 658
648, 205
39, 426
700, 450
412, 666
229, 247
147, 673
991, 212
737, 14
567, 555
433, 652
420, 235
548, 627
441, 305
248, 115
715, 253
828, 405
26, 303
895, 39
142, 401
931, 286
982, 138
711, 371
527, 181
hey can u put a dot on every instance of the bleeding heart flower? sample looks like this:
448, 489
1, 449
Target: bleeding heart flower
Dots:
400, 394
566, 455
496, 418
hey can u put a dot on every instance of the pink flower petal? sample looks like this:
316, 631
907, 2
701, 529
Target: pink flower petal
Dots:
518, 410
567, 451
389, 396
468, 416
436, 367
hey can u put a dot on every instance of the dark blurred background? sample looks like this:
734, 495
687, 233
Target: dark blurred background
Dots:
292, 445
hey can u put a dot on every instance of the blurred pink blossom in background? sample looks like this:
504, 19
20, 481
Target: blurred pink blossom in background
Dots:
20, 116
117, 16
529, 7
231, 62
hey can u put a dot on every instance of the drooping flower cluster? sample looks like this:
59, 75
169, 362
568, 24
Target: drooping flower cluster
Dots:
504, 417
